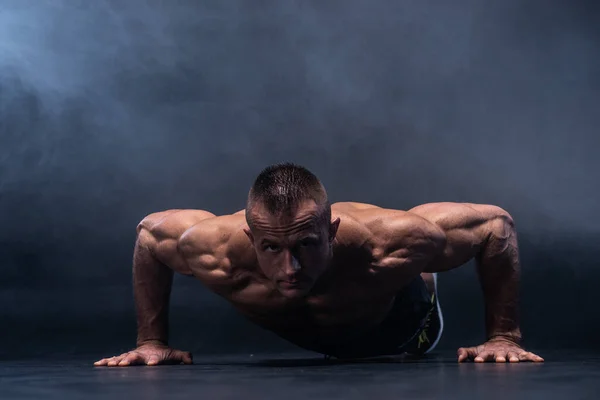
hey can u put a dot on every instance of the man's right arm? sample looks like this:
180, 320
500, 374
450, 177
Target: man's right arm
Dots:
156, 257
152, 282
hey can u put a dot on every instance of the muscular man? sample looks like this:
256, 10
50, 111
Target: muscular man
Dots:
346, 280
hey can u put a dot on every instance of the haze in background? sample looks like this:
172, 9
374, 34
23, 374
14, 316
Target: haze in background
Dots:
110, 110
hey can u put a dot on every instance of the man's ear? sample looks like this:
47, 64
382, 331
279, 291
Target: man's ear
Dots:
250, 235
333, 228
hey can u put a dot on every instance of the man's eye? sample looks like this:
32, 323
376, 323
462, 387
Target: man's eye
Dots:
308, 243
271, 248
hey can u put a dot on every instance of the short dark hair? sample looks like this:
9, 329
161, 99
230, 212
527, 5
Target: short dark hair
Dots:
280, 188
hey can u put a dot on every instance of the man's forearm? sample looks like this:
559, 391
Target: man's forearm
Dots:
499, 273
152, 288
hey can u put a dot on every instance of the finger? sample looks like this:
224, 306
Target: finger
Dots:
187, 358
534, 357
528, 356
500, 356
107, 361
466, 353
153, 360
180, 357
484, 356
512, 357
130, 359
524, 356
113, 361
462, 354
123, 360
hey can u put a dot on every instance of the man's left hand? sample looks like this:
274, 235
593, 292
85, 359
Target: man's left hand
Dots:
497, 350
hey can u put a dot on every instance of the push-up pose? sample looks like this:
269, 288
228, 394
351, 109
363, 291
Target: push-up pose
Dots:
347, 280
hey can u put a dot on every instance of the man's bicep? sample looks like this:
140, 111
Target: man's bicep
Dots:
163, 250
461, 247
466, 228
410, 240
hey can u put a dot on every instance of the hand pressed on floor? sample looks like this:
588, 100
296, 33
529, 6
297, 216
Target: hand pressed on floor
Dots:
148, 354
497, 350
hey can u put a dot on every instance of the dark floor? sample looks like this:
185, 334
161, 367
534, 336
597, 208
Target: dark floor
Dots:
565, 375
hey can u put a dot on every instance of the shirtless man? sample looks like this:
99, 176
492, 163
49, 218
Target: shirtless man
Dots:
347, 280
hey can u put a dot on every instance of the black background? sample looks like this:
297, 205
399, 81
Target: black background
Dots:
110, 110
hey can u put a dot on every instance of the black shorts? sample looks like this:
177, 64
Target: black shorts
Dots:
397, 332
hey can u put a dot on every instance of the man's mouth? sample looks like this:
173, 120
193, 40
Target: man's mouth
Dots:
292, 283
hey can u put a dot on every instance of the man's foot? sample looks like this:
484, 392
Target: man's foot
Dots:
429, 337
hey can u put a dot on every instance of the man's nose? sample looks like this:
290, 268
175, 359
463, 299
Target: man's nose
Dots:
292, 265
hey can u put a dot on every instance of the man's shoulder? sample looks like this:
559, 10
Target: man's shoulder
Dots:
365, 223
222, 236
171, 224
374, 217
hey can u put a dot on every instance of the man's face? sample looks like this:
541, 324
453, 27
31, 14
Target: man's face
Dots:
292, 250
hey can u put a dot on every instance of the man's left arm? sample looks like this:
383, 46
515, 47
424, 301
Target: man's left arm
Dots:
487, 234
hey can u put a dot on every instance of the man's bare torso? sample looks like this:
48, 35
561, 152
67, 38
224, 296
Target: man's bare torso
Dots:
352, 296
376, 253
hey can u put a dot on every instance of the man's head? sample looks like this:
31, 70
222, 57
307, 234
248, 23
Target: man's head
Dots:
291, 230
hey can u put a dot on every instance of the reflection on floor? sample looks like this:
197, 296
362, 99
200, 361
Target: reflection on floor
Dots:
300, 376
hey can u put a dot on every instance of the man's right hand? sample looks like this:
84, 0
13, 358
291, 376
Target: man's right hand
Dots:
147, 354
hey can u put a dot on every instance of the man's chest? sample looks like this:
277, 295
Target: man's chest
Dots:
345, 308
